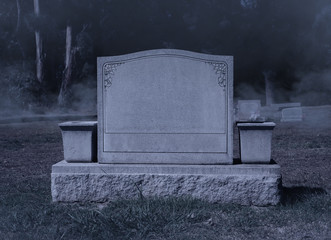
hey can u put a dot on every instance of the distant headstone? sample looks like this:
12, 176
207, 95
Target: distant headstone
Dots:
165, 106
292, 114
280, 106
249, 110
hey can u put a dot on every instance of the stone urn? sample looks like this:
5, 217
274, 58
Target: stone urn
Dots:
79, 141
255, 142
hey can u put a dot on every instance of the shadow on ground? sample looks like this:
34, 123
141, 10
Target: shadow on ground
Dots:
293, 195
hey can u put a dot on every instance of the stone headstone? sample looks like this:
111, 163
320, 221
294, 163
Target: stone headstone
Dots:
165, 107
292, 114
165, 130
249, 110
280, 106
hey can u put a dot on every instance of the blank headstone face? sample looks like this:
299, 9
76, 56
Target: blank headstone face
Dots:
166, 107
248, 109
292, 114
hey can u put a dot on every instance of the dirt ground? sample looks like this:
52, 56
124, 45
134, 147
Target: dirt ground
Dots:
29, 150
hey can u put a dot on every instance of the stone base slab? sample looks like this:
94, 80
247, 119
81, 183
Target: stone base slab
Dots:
246, 184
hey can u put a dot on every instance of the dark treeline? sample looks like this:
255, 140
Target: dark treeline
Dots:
48, 48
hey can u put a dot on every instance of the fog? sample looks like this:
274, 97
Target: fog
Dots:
289, 38
313, 88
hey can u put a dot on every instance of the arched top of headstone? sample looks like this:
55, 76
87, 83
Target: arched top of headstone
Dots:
219, 63
168, 52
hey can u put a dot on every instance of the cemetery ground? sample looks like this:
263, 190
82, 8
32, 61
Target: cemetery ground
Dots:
28, 150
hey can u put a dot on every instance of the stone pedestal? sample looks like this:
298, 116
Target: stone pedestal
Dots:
255, 142
79, 141
241, 184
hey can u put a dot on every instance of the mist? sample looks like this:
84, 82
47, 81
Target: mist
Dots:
289, 38
314, 88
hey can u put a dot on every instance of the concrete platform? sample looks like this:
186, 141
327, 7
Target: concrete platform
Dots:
246, 184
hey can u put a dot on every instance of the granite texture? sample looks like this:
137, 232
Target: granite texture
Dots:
240, 184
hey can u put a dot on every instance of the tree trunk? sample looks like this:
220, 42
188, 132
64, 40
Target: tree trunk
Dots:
18, 23
66, 80
39, 47
269, 88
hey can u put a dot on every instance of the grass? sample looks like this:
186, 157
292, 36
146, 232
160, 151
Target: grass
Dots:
26, 212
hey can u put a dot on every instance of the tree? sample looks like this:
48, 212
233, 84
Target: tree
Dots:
64, 94
275, 36
67, 73
39, 46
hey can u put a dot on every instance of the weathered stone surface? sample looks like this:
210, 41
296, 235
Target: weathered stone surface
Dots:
241, 184
255, 142
79, 141
166, 107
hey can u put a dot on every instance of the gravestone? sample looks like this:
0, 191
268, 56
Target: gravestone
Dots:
292, 114
280, 106
249, 110
165, 129
165, 107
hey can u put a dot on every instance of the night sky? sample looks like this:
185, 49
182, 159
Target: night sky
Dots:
290, 39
